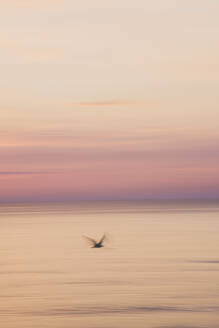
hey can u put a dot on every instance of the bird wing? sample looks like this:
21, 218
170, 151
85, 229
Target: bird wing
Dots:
90, 240
102, 239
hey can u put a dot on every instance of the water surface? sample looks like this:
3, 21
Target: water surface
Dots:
159, 269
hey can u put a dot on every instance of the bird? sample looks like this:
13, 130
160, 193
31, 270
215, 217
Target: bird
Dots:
94, 243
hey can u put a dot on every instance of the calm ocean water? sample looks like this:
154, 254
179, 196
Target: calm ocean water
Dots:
159, 269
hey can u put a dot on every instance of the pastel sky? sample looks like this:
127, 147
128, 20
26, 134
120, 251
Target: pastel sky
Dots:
109, 99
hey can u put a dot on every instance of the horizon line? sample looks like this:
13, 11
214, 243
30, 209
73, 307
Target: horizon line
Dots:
172, 199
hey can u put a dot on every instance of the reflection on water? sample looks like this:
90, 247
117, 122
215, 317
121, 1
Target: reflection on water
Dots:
159, 268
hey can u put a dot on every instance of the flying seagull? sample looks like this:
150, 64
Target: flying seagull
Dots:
94, 243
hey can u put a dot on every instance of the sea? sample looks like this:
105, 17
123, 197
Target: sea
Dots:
159, 267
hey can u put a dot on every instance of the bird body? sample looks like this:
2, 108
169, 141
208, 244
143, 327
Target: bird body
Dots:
98, 245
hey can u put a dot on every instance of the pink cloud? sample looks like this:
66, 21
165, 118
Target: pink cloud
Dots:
56, 164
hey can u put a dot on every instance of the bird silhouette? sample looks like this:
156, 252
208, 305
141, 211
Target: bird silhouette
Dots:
94, 243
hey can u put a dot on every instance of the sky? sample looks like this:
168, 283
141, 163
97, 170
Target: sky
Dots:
109, 99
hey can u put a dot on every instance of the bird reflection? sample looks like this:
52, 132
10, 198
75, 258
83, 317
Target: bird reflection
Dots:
94, 243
